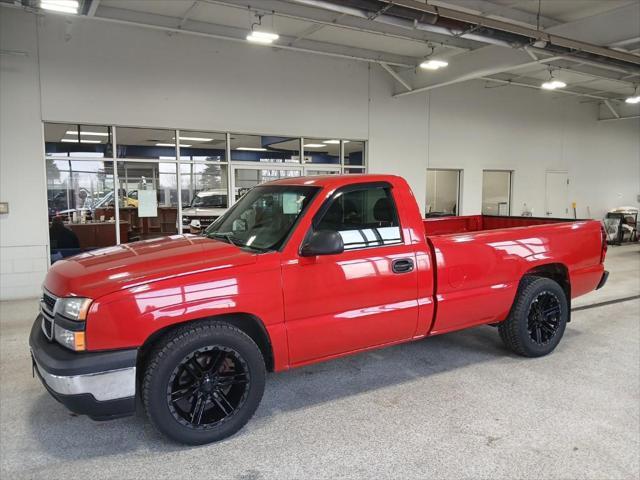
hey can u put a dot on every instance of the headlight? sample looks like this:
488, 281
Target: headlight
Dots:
74, 308
70, 333
73, 340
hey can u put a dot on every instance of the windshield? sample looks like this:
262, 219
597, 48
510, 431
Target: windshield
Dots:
263, 217
208, 199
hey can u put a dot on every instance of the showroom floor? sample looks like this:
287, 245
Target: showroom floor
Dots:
455, 406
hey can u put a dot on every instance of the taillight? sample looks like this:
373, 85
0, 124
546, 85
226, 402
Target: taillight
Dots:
603, 252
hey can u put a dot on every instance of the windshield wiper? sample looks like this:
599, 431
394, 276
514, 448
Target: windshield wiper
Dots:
228, 236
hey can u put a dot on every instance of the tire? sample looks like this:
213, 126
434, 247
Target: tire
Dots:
538, 318
203, 382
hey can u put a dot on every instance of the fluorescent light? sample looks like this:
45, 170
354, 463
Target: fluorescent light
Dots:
252, 149
635, 99
331, 142
553, 84
64, 6
94, 134
196, 139
314, 145
433, 64
262, 37
75, 140
170, 145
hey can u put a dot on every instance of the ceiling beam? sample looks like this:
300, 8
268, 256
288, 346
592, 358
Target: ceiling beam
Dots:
187, 14
395, 75
477, 75
611, 109
536, 87
630, 117
93, 7
531, 33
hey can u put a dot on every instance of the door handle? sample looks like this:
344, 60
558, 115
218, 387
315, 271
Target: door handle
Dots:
402, 265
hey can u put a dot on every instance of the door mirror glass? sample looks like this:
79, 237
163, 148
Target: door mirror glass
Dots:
323, 242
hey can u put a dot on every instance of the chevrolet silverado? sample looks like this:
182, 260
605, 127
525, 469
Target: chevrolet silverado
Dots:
297, 271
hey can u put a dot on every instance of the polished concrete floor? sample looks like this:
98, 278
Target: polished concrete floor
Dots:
455, 406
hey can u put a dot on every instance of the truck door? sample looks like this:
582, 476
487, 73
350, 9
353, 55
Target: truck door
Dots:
363, 297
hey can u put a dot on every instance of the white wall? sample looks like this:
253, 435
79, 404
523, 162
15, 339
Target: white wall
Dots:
94, 72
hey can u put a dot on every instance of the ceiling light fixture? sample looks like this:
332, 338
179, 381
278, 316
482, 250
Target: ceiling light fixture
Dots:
63, 6
75, 140
257, 36
552, 83
196, 139
333, 142
635, 98
433, 64
314, 145
170, 145
252, 149
94, 134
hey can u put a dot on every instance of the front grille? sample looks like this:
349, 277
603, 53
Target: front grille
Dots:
49, 300
47, 309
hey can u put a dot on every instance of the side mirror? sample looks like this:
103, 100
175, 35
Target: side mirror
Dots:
323, 242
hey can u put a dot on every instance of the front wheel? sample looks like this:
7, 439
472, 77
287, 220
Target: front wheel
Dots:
203, 383
537, 319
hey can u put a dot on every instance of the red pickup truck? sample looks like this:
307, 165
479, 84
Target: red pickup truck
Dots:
298, 271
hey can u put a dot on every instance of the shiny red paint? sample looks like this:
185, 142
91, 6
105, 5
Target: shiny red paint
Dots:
467, 273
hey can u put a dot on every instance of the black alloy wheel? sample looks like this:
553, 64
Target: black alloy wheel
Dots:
203, 382
543, 319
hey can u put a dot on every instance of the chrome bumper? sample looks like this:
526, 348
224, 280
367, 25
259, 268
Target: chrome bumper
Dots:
109, 385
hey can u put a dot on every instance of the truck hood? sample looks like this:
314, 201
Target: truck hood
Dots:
99, 272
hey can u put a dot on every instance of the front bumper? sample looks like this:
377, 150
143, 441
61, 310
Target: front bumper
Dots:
101, 385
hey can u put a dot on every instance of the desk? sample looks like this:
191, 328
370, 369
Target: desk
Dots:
98, 234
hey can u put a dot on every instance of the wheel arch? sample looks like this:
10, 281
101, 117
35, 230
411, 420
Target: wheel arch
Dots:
246, 322
559, 273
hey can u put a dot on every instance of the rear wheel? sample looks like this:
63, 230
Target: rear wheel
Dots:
537, 319
203, 383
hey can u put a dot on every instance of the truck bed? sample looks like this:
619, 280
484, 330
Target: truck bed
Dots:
478, 223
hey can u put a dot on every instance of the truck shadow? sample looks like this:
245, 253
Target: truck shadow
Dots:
67, 437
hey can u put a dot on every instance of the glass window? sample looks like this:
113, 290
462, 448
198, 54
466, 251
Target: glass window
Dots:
203, 146
204, 194
353, 152
247, 178
148, 199
364, 218
257, 148
496, 192
78, 141
262, 219
146, 143
443, 190
354, 171
322, 150
76, 191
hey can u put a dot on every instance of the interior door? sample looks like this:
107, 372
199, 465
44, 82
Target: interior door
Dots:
363, 297
557, 194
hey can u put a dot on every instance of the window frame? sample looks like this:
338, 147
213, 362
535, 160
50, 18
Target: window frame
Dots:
354, 188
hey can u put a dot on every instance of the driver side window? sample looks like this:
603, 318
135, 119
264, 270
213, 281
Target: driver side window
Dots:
364, 218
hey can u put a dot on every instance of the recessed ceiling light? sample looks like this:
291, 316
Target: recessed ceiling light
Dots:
252, 149
553, 84
170, 145
433, 64
331, 142
75, 140
314, 145
262, 37
94, 134
64, 6
196, 139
